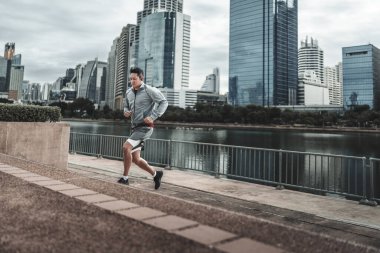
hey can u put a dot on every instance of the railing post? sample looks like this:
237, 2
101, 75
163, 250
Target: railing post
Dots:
280, 186
217, 168
364, 200
99, 155
73, 143
168, 153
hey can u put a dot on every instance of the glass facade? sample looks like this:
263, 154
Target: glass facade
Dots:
156, 54
263, 52
361, 76
3, 73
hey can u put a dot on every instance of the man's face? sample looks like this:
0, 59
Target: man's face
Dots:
135, 81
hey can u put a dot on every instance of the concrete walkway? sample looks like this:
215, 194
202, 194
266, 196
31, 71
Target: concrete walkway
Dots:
331, 208
193, 212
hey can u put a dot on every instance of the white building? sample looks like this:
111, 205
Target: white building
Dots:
111, 75
310, 89
333, 77
310, 57
181, 98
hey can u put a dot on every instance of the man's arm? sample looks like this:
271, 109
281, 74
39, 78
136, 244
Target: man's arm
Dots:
161, 102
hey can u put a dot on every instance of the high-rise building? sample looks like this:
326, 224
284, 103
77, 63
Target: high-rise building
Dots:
15, 87
152, 6
332, 81
93, 81
162, 43
123, 58
263, 52
212, 82
111, 77
311, 57
3, 73
164, 49
361, 76
9, 52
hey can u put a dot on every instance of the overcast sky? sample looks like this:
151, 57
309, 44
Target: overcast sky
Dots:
55, 35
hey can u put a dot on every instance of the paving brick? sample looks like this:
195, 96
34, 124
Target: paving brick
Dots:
116, 205
170, 222
62, 187
141, 213
95, 198
36, 179
205, 234
47, 183
25, 175
16, 171
7, 168
77, 192
245, 245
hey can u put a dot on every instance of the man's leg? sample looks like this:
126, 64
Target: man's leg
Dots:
127, 161
136, 158
157, 175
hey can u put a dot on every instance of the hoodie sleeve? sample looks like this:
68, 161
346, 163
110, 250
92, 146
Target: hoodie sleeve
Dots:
160, 101
127, 108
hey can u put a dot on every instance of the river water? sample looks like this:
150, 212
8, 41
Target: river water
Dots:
339, 143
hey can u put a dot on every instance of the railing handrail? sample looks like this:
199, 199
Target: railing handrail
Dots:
242, 147
351, 176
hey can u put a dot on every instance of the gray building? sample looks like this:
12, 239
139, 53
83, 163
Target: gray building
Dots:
111, 77
93, 81
15, 87
123, 58
361, 76
3, 73
212, 82
263, 52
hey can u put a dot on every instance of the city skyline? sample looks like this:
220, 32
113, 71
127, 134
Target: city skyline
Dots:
64, 34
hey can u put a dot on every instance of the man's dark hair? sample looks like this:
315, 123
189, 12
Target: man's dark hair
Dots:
138, 71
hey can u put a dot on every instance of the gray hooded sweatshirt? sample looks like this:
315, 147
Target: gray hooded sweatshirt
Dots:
146, 101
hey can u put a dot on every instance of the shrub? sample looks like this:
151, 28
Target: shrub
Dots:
29, 113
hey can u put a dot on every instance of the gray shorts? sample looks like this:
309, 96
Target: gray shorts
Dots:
139, 135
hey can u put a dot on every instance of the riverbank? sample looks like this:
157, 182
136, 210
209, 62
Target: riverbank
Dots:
210, 126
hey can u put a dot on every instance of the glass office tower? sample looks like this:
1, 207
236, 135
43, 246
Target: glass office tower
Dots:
361, 76
164, 49
263, 52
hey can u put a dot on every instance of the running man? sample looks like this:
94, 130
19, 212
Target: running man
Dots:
144, 104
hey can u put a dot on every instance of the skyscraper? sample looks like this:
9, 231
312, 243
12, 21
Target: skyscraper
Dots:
9, 52
124, 52
263, 52
311, 57
163, 34
361, 76
111, 77
164, 49
93, 81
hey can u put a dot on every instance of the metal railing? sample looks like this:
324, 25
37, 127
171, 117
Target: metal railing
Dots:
349, 176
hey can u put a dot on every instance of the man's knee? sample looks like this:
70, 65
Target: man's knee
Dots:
127, 148
135, 159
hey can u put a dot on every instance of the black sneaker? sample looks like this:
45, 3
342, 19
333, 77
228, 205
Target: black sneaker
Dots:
157, 179
123, 181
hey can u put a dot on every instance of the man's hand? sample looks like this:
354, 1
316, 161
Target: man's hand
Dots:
127, 114
148, 121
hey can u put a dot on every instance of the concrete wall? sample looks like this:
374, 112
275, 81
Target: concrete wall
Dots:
46, 143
